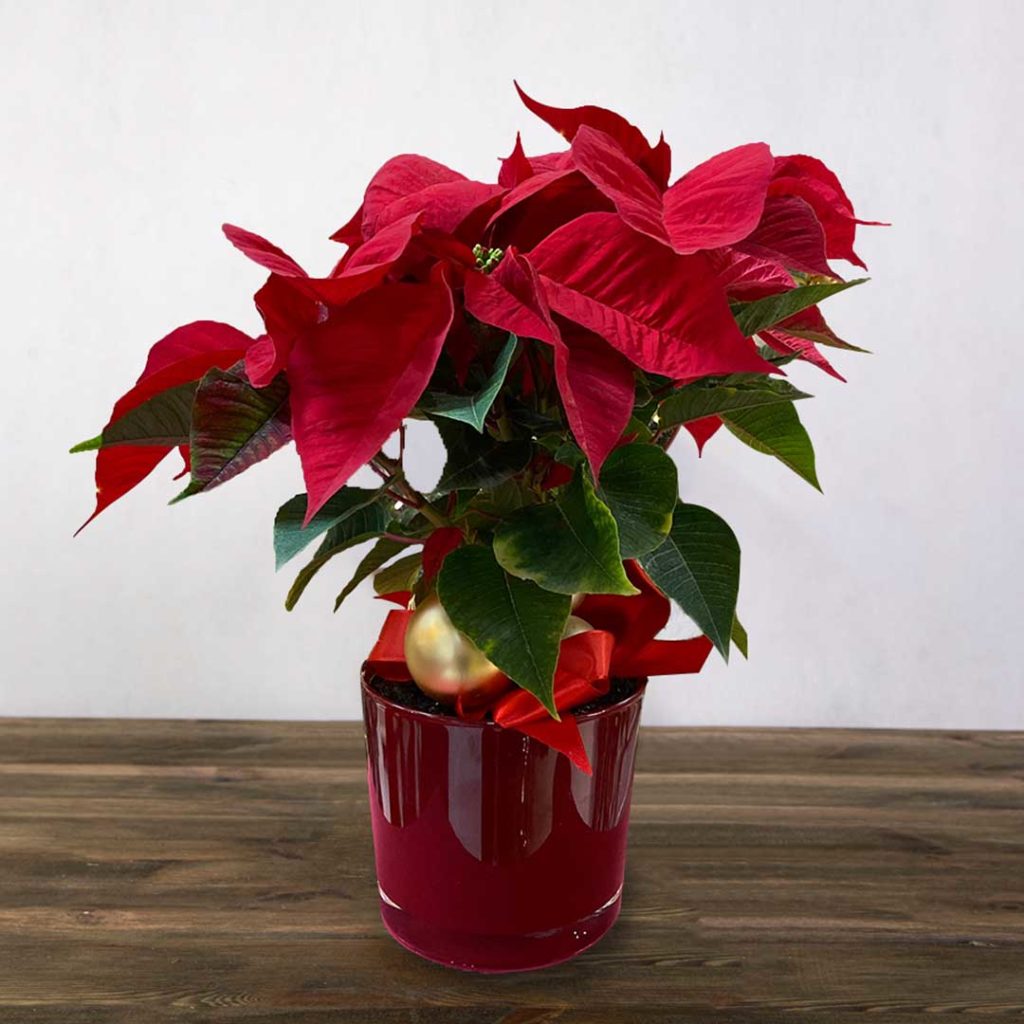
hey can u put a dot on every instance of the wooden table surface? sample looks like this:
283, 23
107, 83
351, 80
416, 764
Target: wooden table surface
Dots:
212, 871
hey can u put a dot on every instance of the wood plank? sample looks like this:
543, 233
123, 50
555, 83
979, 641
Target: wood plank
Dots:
166, 871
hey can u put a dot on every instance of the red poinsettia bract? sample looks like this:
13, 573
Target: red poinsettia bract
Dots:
596, 255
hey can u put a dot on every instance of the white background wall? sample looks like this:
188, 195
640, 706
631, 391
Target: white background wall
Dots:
132, 130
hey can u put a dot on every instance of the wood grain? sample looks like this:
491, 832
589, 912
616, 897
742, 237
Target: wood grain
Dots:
212, 871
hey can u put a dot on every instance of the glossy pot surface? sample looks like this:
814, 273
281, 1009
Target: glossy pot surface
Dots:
493, 852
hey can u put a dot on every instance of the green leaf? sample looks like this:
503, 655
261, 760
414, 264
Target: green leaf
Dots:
400, 575
478, 460
290, 537
638, 430
87, 446
382, 552
826, 338
639, 484
570, 545
459, 502
643, 393
472, 408
364, 524
514, 622
761, 314
497, 502
770, 355
569, 454
234, 426
776, 430
698, 566
529, 419
740, 391
164, 419
739, 636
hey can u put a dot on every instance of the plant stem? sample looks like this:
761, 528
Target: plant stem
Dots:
400, 489
399, 539
429, 512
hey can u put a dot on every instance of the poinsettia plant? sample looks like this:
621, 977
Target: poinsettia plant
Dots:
559, 327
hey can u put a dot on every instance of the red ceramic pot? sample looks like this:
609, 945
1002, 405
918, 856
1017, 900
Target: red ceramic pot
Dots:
493, 852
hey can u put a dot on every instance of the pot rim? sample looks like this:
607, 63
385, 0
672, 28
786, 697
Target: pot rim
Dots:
454, 720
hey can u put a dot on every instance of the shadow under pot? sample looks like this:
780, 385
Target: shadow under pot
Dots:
493, 852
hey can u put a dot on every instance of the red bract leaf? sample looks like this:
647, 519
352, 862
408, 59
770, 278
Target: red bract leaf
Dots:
532, 210
370, 264
666, 313
290, 306
263, 361
436, 245
260, 251
351, 232
703, 430
595, 382
191, 366
798, 335
413, 184
810, 169
716, 204
119, 470
560, 161
660, 161
401, 176
597, 388
608, 167
720, 201
809, 179
287, 313
183, 356
511, 298
655, 160
745, 277
290, 301
447, 207
530, 187
439, 545
207, 338
555, 474
357, 375
783, 341
515, 168
809, 323
385, 248
790, 235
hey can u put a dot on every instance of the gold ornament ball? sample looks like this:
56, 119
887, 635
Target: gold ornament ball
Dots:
573, 625
445, 663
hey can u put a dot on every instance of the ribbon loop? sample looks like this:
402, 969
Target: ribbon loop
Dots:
621, 644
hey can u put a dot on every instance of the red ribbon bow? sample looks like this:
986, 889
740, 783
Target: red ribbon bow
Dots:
622, 644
